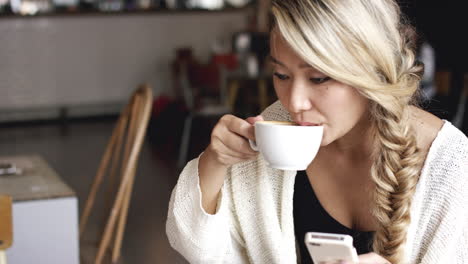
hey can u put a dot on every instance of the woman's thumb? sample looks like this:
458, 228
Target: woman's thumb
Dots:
254, 119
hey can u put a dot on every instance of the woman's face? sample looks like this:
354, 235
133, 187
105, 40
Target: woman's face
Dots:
312, 97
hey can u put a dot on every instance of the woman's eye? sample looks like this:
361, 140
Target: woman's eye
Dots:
319, 80
280, 76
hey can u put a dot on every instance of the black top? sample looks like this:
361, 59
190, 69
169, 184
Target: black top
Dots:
310, 216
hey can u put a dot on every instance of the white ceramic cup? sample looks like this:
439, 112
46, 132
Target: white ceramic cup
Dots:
286, 145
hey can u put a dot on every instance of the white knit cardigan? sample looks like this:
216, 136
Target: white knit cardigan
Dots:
254, 218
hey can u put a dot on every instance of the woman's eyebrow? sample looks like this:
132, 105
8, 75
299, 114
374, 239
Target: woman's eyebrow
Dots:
274, 60
271, 58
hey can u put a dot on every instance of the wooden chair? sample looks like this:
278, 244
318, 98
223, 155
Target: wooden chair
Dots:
6, 226
122, 153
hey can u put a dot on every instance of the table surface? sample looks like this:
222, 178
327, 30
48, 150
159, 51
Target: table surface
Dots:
37, 180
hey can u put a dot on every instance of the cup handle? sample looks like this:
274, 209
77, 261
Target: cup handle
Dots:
253, 145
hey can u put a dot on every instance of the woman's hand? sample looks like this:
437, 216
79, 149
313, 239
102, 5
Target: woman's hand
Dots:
229, 140
229, 145
372, 258
369, 258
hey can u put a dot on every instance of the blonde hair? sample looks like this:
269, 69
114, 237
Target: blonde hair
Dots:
362, 43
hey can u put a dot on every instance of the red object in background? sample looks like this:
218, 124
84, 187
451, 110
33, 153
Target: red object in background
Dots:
228, 60
160, 103
205, 77
208, 76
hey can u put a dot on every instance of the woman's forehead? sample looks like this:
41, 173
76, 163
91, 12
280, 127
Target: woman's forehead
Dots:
282, 53
279, 45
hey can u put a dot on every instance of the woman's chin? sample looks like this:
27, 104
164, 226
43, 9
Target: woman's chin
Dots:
325, 142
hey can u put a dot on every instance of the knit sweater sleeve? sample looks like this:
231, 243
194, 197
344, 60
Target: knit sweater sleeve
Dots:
205, 238
462, 244
462, 251
197, 235
441, 220
459, 219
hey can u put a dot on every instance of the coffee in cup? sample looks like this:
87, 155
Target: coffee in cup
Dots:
287, 145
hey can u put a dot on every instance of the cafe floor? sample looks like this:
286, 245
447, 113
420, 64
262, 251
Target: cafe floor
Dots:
75, 150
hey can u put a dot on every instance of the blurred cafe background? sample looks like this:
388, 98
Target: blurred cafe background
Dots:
102, 102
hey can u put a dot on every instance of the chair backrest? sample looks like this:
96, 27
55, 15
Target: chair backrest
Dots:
119, 162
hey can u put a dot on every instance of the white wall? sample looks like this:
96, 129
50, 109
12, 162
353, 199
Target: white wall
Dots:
81, 60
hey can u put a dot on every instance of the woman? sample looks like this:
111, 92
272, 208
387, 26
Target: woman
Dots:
389, 174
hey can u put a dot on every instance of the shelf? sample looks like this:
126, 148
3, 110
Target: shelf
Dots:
87, 13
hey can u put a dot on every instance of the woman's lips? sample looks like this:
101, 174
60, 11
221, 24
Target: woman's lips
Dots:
307, 124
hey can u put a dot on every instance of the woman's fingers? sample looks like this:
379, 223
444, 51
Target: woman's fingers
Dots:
369, 258
226, 146
239, 126
253, 119
372, 258
229, 140
233, 142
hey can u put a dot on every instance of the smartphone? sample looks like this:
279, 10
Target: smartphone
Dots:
326, 247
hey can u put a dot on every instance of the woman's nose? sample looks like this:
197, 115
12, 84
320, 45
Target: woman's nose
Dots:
299, 98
